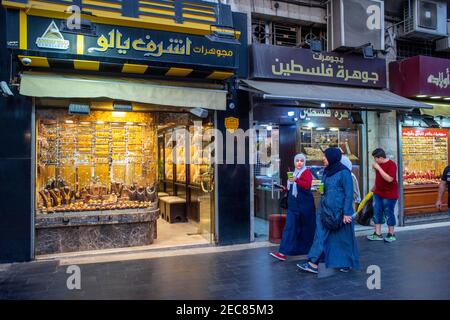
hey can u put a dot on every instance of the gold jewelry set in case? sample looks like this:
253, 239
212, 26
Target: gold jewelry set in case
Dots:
198, 157
79, 151
424, 159
314, 143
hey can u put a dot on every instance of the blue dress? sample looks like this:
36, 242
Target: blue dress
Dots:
298, 233
337, 247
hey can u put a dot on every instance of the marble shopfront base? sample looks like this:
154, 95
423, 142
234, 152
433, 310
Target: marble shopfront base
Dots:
94, 231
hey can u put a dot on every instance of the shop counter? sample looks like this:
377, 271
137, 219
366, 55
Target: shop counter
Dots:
421, 199
93, 230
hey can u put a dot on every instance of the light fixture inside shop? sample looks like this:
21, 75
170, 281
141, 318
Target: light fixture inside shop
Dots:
320, 129
435, 97
199, 112
69, 121
122, 107
310, 125
79, 108
100, 122
323, 105
421, 96
269, 128
291, 113
448, 98
334, 129
118, 114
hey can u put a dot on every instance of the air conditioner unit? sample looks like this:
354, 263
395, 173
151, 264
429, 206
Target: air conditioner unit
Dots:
444, 44
354, 23
425, 19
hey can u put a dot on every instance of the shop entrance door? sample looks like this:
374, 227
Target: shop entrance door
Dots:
206, 205
266, 177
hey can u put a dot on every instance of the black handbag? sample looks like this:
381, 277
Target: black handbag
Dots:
284, 202
330, 219
366, 214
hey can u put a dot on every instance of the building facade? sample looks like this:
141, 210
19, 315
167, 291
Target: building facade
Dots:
110, 109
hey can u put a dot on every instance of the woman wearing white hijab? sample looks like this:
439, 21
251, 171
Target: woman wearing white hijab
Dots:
298, 233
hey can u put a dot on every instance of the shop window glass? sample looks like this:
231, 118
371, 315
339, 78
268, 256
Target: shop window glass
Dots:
425, 155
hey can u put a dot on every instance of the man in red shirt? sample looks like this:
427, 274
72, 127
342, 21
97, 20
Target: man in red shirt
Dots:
385, 195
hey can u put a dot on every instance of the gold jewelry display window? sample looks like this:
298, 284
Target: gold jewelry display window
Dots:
103, 161
425, 155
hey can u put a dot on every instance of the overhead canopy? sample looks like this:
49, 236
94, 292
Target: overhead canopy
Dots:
134, 90
331, 94
439, 109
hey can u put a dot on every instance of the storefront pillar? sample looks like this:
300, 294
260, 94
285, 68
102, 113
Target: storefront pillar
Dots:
16, 214
401, 212
233, 215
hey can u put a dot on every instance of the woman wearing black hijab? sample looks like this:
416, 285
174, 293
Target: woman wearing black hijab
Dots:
334, 240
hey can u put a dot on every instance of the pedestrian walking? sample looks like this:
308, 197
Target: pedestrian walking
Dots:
385, 195
298, 233
445, 181
335, 244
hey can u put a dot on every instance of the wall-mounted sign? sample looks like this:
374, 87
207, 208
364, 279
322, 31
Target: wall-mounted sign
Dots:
420, 75
49, 35
354, 23
231, 124
296, 64
424, 132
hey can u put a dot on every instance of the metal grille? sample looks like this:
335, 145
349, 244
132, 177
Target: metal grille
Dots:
259, 31
408, 48
284, 35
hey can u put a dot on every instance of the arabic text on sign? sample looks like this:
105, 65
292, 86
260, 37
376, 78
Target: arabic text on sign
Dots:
148, 46
213, 51
287, 69
305, 113
114, 40
440, 81
424, 133
325, 58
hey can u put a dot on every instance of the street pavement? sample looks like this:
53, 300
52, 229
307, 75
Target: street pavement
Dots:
416, 266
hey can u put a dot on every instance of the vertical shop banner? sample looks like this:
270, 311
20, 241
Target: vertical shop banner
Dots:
296, 64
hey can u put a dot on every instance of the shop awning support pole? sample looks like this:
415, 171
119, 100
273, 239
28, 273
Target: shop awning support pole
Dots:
401, 211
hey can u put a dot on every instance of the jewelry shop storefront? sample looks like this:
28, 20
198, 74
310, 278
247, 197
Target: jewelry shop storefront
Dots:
425, 132
123, 111
305, 102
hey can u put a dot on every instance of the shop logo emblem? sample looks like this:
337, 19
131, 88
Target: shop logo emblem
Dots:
52, 39
231, 124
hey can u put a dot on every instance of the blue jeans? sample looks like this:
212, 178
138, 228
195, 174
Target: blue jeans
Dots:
383, 208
